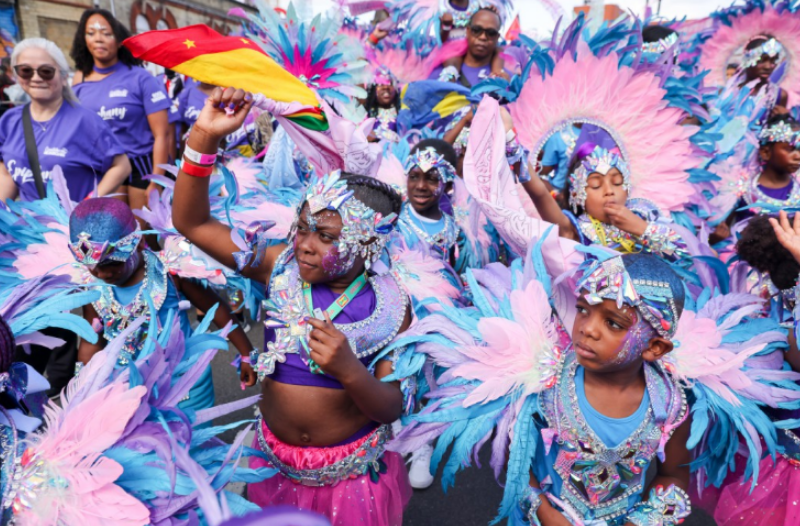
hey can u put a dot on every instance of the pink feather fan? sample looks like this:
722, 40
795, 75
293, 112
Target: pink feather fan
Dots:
701, 355
717, 51
520, 353
71, 448
628, 104
420, 274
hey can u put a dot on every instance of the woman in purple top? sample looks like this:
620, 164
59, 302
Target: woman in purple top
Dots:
66, 134
189, 103
132, 101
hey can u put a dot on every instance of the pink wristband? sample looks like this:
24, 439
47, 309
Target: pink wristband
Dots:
246, 359
203, 159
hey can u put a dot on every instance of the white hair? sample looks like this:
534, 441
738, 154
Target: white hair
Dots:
56, 54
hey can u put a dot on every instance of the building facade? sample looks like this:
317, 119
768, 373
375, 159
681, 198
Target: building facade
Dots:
57, 20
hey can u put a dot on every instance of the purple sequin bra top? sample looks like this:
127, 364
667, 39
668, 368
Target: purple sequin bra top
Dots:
370, 321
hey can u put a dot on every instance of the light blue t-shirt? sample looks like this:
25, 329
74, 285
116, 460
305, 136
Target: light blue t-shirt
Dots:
557, 152
612, 431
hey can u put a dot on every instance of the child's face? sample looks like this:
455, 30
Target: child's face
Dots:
117, 272
385, 95
424, 189
781, 156
763, 70
316, 246
607, 338
602, 189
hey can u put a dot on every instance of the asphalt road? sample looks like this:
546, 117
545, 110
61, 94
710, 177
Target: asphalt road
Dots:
472, 502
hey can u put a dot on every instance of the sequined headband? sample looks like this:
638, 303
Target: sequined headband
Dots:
365, 232
660, 46
772, 48
599, 161
384, 77
91, 253
779, 132
428, 159
653, 299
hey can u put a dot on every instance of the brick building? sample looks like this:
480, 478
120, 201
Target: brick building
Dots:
57, 20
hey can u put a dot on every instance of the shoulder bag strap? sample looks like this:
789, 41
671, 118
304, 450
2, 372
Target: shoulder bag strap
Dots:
33, 152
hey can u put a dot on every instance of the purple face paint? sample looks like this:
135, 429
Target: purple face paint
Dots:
333, 264
635, 341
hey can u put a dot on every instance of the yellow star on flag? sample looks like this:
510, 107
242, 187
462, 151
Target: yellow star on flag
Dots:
189, 44
244, 40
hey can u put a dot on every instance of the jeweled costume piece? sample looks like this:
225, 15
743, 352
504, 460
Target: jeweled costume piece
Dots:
150, 298
287, 309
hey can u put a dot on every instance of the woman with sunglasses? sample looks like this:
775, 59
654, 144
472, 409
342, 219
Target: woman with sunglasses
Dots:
65, 133
135, 104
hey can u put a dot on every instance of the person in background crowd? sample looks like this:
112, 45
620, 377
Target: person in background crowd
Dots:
110, 82
65, 133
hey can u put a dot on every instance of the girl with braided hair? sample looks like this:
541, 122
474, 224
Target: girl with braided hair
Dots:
325, 412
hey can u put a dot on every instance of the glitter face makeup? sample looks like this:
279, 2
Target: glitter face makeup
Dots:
638, 336
333, 264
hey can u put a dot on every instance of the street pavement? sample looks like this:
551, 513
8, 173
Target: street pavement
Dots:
472, 502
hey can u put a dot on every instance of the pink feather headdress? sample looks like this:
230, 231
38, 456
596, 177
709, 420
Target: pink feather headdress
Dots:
629, 104
726, 40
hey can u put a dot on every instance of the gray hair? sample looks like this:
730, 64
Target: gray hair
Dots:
58, 57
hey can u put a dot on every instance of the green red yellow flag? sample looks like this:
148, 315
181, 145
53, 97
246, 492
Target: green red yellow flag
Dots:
207, 56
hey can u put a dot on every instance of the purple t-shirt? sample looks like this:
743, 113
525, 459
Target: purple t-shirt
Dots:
185, 112
473, 75
75, 139
124, 99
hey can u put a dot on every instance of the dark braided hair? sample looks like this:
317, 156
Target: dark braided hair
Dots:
84, 61
374, 193
759, 247
490, 9
7, 346
371, 104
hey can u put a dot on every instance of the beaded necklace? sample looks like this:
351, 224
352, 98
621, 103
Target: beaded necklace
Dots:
756, 195
441, 241
117, 317
598, 480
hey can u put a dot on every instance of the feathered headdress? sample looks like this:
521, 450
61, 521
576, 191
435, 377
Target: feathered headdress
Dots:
592, 87
738, 25
313, 51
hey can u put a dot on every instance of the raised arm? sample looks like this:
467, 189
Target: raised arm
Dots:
191, 211
548, 207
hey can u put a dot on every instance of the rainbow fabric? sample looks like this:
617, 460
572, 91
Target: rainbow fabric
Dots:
207, 56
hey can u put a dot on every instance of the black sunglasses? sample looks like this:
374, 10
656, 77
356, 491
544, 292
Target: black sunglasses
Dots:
26, 72
490, 31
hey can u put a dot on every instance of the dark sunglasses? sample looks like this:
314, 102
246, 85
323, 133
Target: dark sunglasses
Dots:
26, 72
490, 31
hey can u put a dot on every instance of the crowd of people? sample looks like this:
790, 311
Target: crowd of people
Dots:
580, 254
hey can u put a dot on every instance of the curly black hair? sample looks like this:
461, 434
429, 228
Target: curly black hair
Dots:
371, 104
758, 246
655, 33
84, 62
783, 117
374, 193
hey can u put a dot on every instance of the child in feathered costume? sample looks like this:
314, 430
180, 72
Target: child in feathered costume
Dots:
625, 174
325, 413
775, 251
584, 395
116, 449
104, 238
422, 224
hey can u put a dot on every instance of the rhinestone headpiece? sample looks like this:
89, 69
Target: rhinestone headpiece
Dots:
92, 253
609, 280
428, 159
365, 232
384, 77
779, 132
600, 161
660, 46
772, 48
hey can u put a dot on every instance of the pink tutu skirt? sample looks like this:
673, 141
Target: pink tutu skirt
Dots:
775, 501
348, 503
